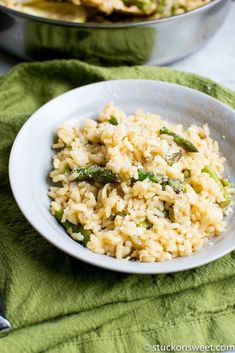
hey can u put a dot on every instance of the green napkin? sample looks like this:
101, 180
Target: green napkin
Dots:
58, 304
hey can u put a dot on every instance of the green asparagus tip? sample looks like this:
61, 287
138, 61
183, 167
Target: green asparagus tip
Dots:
187, 145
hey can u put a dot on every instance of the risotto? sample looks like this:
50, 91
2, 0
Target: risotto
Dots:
103, 10
138, 187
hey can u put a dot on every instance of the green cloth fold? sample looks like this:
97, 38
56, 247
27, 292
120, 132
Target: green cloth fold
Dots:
58, 304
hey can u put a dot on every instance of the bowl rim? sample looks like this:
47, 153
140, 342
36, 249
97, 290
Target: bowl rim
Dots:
117, 25
93, 258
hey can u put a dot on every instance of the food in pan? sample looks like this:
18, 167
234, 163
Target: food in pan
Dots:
103, 10
138, 187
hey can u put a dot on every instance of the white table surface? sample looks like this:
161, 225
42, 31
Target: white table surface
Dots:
215, 60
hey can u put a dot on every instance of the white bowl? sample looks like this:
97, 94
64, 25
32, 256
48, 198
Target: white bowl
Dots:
30, 159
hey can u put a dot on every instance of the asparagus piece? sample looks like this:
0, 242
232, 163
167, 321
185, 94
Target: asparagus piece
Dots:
96, 173
177, 185
225, 183
180, 141
113, 120
166, 213
65, 170
75, 228
169, 213
147, 6
187, 173
144, 224
227, 197
155, 178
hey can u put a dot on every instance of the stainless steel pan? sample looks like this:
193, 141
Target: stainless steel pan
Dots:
155, 42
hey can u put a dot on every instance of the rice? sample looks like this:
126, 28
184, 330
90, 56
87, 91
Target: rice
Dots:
131, 218
176, 7
101, 11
